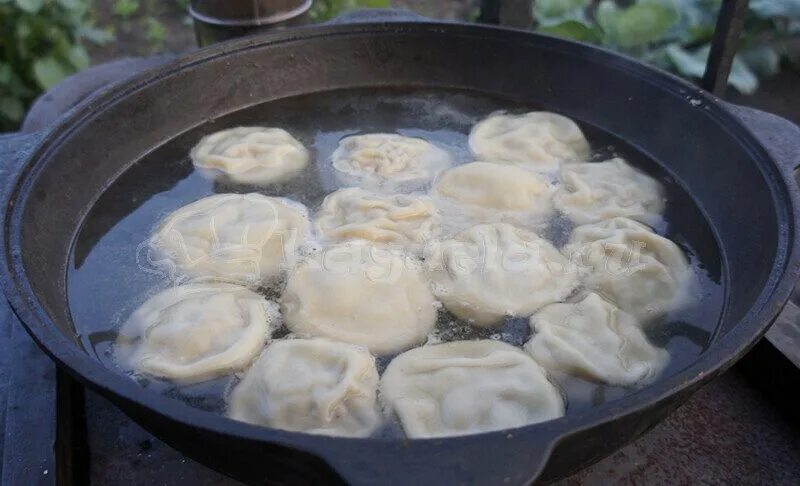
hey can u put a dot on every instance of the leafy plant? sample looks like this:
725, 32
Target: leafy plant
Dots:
183, 5
323, 10
141, 22
125, 8
155, 32
41, 43
675, 34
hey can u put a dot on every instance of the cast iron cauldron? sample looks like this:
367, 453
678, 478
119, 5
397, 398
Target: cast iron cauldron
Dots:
737, 164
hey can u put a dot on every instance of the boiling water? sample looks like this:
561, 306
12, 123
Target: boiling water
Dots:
107, 280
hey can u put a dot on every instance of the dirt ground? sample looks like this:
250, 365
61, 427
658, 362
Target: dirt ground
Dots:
136, 36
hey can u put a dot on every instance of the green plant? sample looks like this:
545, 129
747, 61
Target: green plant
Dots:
675, 34
183, 5
155, 32
125, 8
323, 10
41, 42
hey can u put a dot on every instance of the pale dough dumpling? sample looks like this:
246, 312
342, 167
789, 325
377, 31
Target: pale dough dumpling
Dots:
196, 332
240, 238
594, 339
386, 161
643, 273
539, 139
404, 220
493, 191
250, 155
360, 294
310, 385
592, 192
495, 270
467, 387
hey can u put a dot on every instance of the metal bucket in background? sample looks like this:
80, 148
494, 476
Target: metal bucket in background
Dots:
219, 20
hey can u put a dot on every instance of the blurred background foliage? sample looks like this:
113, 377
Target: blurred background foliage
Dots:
43, 41
323, 10
675, 34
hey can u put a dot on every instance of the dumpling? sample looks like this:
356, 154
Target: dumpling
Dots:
594, 339
592, 192
539, 139
496, 187
495, 270
492, 192
360, 294
406, 220
196, 332
643, 273
310, 385
467, 387
239, 238
250, 155
386, 161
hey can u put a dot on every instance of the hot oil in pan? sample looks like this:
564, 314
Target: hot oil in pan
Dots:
110, 275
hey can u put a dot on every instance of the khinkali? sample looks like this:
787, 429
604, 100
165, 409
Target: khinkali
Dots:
310, 385
387, 162
467, 387
594, 339
491, 192
539, 139
405, 220
495, 270
250, 155
240, 238
643, 273
196, 332
360, 294
592, 192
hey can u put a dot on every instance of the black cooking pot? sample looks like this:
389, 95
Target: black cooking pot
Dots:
737, 164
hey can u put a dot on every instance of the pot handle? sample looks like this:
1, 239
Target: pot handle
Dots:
778, 135
15, 148
506, 457
376, 15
